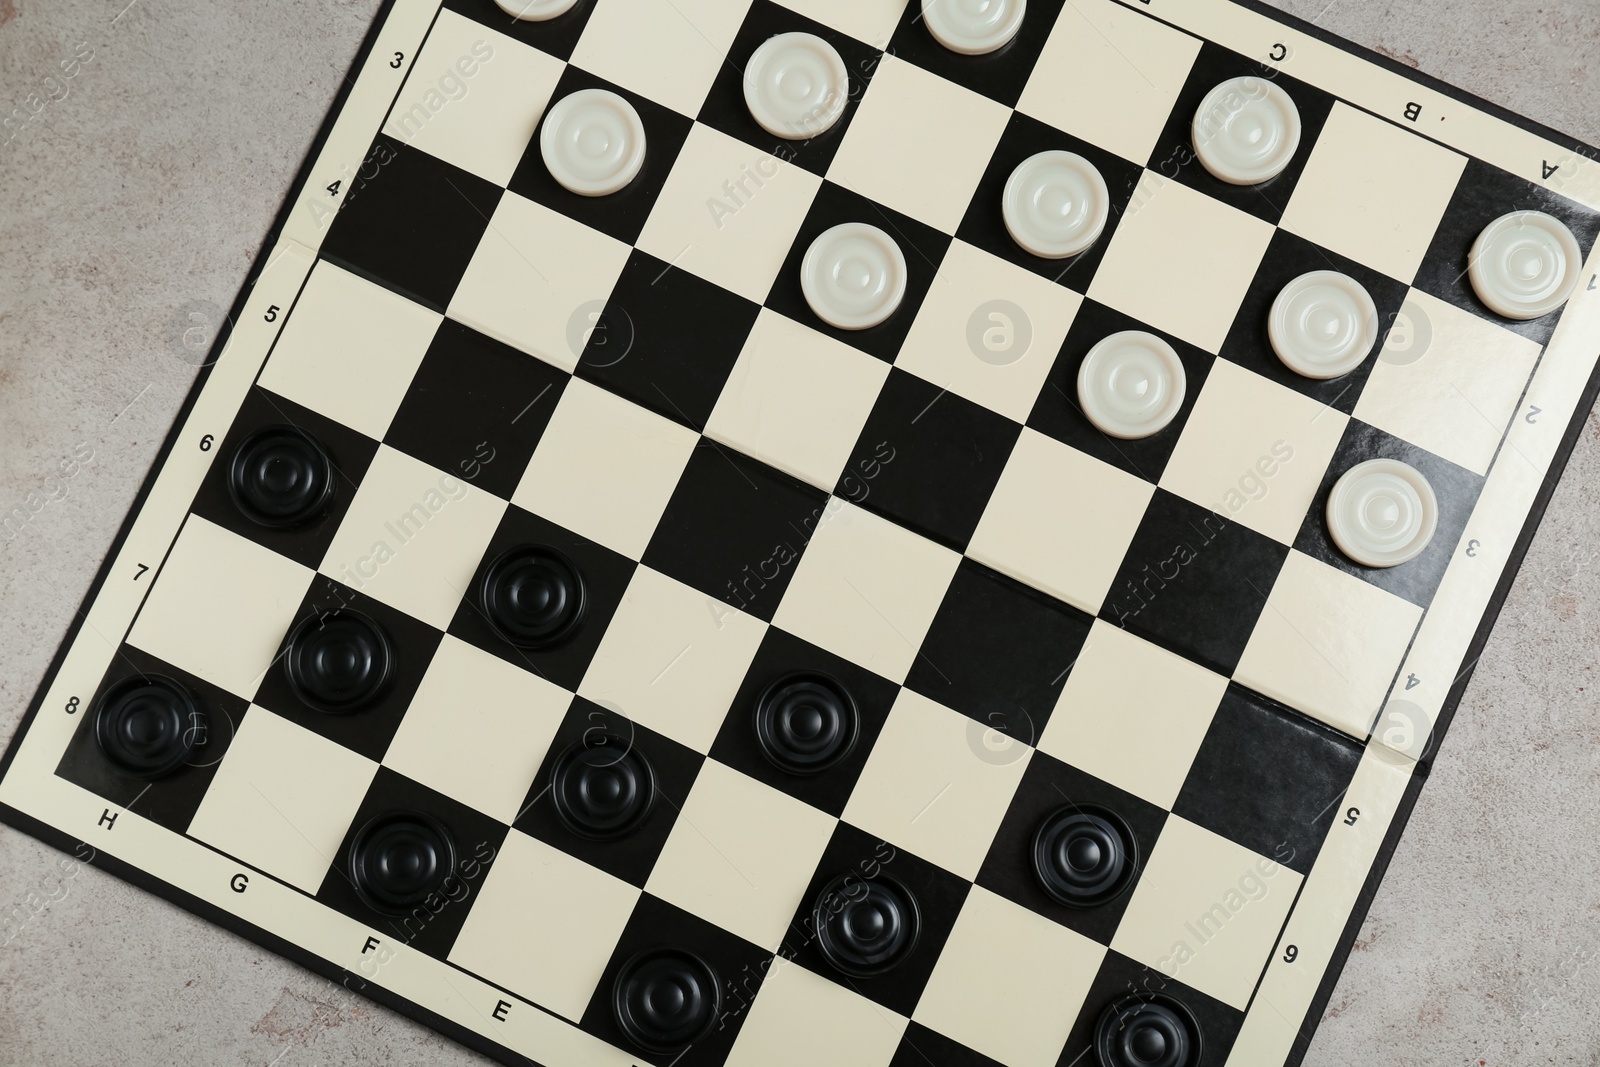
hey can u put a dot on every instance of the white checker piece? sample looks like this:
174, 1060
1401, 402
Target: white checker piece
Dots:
796, 85
593, 142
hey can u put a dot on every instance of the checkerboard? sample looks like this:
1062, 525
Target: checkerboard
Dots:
1026, 613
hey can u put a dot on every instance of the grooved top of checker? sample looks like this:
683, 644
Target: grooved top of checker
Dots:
692, 579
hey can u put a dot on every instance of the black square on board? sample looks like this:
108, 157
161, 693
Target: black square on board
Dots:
349, 451
433, 925
172, 800
939, 896
1000, 75
739, 965
985, 226
998, 652
922, 1047
1485, 193
938, 457
476, 408
605, 575
667, 340
1455, 488
557, 36
725, 108
1120, 977
1174, 156
411, 222
782, 654
366, 730
1287, 258
735, 529
621, 214
1268, 779
923, 248
1048, 786
675, 767
1194, 582
1057, 413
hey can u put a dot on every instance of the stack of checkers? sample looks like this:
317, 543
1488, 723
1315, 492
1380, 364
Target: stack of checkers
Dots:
783, 614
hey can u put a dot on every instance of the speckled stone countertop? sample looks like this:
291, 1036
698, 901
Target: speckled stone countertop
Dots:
131, 207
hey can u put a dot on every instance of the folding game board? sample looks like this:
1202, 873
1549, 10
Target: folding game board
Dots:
763, 533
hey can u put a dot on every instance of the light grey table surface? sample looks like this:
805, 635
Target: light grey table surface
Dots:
142, 196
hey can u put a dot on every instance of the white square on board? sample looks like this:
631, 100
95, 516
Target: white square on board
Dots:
1123, 690
1181, 261
937, 783
919, 144
283, 799
1254, 451
692, 228
672, 659
349, 349
1373, 192
872, 21
473, 97
1060, 520
866, 589
1111, 76
538, 281
413, 537
989, 331
220, 607
667, 50
544, 925
1455, 393
1328, 644
858, 1033
477, 729
1009, 983
741, 855
797, 399
1206, 912
605, 468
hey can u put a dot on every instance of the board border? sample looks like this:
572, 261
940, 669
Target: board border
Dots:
410, 1009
